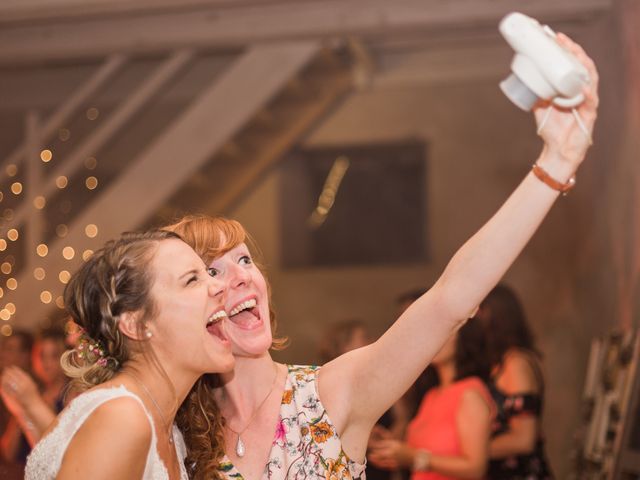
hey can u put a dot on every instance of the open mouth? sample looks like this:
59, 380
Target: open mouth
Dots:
246, 314
214, 324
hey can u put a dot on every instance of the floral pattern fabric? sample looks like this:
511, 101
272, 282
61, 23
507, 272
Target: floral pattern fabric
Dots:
306, 444
532, 466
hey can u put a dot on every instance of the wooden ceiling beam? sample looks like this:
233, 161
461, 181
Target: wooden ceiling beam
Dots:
212, 27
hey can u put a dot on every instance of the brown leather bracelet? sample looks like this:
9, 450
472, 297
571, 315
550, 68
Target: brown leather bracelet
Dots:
548, 180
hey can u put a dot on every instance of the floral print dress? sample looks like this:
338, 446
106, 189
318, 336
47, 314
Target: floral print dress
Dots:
306, 444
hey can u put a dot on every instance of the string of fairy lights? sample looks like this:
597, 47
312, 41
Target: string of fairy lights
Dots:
42, 254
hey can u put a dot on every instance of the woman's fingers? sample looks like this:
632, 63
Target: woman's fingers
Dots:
591, 91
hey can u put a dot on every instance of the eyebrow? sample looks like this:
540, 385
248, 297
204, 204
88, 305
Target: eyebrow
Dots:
190, 272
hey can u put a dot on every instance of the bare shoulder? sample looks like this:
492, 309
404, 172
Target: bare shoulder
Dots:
518, 372
473, 403
113, 442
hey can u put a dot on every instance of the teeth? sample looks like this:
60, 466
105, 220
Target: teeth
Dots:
243, 306
216, 317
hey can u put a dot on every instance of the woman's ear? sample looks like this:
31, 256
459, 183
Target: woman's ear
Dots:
128, 325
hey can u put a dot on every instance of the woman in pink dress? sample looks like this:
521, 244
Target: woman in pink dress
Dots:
449, 437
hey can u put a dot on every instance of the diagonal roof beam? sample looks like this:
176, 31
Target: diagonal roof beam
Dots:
170, 160
102, 75
117, 120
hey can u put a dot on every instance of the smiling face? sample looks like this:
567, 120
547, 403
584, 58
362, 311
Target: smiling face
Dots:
247, 304
187, 330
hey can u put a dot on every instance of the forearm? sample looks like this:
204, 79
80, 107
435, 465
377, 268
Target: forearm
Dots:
458, 467
35, 419
390, 365
484, 258
511, 443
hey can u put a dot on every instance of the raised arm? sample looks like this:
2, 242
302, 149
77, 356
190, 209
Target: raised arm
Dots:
22, 398
358, 387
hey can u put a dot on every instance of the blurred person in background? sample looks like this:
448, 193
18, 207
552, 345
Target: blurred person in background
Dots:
517, 448
342, 337
15, 352
449, 437
47, 351
393, 424
33, 403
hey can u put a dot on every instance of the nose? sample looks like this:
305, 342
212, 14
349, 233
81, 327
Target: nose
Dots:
238, 276
217, 288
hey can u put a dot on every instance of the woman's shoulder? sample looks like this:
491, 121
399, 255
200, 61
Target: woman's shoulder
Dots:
473, 390
517, 357
119, 414
97, 423
519, 372
473, 384
114, 405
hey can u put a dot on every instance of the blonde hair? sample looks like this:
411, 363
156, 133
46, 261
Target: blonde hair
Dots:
115, 280
199, 417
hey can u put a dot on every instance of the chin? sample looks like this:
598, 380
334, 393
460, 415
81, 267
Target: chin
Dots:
226, 366
253, 348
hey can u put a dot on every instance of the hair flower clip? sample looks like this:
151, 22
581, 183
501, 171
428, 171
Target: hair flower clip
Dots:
92, 351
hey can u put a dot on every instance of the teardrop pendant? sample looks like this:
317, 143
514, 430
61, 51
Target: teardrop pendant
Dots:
240, 447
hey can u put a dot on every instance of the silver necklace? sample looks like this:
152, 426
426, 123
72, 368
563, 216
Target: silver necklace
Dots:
167, 426
240, 448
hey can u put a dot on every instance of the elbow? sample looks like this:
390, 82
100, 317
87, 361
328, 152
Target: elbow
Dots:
526, 441
475, 470
450, 307
512, 445
480, 468
528, 445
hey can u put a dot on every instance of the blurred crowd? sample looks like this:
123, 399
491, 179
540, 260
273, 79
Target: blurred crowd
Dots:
474, 413
32, 388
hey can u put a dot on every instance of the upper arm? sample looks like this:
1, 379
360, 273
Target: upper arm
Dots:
517, 375
372, 378
112, 443
473, 422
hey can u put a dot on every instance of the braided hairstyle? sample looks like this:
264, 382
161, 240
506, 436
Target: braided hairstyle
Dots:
115, 280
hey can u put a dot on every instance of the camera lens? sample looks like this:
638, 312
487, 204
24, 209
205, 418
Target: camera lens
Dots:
518, 92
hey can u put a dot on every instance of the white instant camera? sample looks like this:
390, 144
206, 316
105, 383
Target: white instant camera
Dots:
542, 69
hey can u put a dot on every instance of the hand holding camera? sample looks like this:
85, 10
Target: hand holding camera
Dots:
555, 78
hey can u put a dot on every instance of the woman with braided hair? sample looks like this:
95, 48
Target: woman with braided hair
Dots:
151, 312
